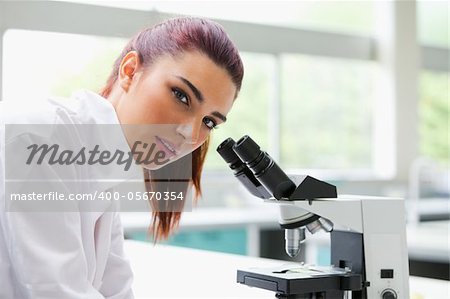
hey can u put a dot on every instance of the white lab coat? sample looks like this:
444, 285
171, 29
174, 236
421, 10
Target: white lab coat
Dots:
63, 255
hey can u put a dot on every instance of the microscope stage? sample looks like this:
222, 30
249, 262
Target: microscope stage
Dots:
300, 279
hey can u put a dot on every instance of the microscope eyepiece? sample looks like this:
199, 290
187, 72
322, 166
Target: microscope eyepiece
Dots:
225, 149
247, 150
240, 169
264, 168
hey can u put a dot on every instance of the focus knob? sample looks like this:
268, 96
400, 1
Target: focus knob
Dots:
389, 294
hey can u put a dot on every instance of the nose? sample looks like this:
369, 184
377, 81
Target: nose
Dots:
190, 132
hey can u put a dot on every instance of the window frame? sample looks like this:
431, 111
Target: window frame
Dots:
390, 161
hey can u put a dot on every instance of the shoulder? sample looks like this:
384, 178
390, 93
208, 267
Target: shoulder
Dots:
82, 107
21, 112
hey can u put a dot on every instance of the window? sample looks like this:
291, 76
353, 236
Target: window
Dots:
432, 23
307, 84
434, 112
326, 113
434, 115
37, 64
339, 16
250, 114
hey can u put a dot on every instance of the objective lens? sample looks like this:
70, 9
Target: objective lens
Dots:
264, 168
321, 223
293, 239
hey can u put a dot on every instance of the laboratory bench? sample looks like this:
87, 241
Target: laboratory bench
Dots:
255, 232
162, 271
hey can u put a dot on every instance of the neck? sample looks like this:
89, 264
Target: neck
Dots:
114, 96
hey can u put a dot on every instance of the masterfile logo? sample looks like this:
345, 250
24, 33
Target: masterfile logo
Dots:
88, 167
56, 155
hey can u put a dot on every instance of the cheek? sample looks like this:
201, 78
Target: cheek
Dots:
154, 107
189, 148
204, 133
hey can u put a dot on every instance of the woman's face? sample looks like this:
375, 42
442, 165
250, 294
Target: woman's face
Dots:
176, 102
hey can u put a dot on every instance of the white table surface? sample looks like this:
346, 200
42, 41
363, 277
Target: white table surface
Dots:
262, 215
173, 272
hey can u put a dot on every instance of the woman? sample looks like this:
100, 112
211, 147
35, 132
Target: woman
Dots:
183, 74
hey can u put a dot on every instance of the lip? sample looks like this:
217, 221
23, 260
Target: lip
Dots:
167, 146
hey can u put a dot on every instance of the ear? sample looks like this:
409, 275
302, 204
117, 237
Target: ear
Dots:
128, 68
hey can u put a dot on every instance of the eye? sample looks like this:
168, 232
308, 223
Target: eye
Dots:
211, 124
181, 96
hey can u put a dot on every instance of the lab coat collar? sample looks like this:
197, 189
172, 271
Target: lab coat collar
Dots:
107, 133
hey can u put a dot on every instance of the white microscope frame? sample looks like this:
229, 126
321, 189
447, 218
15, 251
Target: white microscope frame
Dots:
382, 222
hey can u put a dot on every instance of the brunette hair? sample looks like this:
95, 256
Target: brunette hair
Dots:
173, 37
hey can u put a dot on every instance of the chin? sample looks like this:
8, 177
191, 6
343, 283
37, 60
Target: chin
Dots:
154, 166
172, 159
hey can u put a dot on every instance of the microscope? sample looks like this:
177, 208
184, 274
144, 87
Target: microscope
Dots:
369, 257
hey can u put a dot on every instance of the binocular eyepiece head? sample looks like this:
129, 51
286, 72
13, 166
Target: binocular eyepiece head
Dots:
240, 169
245, 156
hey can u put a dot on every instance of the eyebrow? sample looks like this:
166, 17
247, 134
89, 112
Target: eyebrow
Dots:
194, 89
220, 116
199, 97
